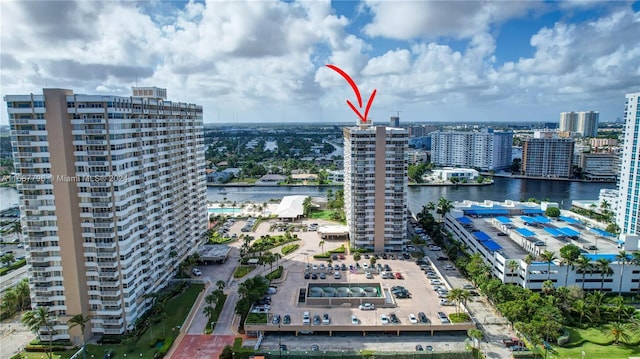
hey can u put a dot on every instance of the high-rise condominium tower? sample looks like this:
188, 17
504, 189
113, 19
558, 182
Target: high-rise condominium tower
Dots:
628, 213
583, 123
111, 194
375, 186
487, 150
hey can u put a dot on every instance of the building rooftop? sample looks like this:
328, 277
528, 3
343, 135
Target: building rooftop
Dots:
516, 229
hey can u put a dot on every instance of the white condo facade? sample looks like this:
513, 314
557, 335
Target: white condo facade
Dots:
375, 186
111, 196
486, 150
584, 123
628, 211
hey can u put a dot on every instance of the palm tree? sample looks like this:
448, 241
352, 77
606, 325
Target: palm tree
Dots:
7, 259
211, 299
444, 207
37, 319
321, 245
548, 257
372, 261
619, 331
596, 301
220, 284
623, 259
582, 309
454, 296
16, 228
604, 267
584, 265
618, 307
81, 321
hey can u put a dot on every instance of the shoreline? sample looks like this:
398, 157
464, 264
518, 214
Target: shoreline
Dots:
224, 185
511, 176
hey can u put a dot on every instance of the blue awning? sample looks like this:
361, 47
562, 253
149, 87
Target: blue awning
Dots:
569, 220
503, 220
527, 219
541, 219
486, 212
554, 232
569, 232
464, 220
491, 245
481, 236
525, 232
602, 233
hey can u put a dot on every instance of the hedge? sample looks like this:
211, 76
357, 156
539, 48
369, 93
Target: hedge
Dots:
275, 274
289, 248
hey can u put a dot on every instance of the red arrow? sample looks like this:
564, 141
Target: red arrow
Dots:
363, 119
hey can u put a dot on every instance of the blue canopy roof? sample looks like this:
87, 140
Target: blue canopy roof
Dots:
503, 220
603, 233
527, 219
481, 236
525, 232
491, 245
486, 212
569, 232
554, 232
464, 220
569, 220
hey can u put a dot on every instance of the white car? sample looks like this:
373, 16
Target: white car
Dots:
413, 319
384, 319
306, 318
368, 275
196, 272
315, 267
445, 302
436, 282
367, 306
449, 267
354, 320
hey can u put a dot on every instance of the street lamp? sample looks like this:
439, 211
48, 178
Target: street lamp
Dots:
279, 340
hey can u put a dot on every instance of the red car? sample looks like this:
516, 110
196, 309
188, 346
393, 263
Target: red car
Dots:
341, 256
398, 275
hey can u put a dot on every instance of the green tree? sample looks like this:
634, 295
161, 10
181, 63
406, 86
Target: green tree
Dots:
584, 265
613, 228
476, 335
220, 284
356, 257
513, 266
596, 301
444, 207
635, 259
548, 257
619, 332
79, 320
321, 245
569, 254
372, 261
623, 258
604, 267
7, 259
582, 309
306, 206
37, 320
553, 212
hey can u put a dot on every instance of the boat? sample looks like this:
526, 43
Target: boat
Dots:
222, 191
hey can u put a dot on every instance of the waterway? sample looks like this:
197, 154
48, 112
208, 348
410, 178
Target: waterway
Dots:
503, 188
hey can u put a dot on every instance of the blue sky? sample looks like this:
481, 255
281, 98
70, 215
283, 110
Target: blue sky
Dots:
257, 61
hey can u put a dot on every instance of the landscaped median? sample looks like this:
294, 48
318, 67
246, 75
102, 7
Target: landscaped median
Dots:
156, 337
598, 343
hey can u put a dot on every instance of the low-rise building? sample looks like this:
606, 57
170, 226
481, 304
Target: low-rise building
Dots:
508, 234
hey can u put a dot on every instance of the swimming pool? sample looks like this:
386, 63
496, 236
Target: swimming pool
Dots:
224, 210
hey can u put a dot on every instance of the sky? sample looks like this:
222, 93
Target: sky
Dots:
264, 61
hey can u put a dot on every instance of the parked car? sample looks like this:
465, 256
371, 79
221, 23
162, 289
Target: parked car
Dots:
323, 276
449, 267
316, 319
394, 318
423, 317
429, 348
368, 275
315, 348
399, 275
307, 275
326, 319
196, 272
419, 348
367, 306
276, 319
384, 319
413, 319
443, 258
354, 319
306, 318
286, 319
283, 347
468, 286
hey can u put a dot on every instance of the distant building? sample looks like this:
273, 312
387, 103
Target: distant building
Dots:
335, 176
546, 155
270, 180
628, 212
446, 174
486, 150
600, 166
603, 144
583, 124
394, 122
375, 186
423, 142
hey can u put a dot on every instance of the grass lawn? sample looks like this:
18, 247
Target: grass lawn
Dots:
175, 316
325, 214
241, 271
597, 344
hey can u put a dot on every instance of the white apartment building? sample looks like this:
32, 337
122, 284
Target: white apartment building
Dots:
628, 213
111, 197
584, 123
505, 233
375, 186
486, 150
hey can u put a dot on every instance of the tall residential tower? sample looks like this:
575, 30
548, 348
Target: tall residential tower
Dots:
375, 186
111, 196
487, 150
628, 213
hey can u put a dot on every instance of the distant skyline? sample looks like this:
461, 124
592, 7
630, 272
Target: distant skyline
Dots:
263, 61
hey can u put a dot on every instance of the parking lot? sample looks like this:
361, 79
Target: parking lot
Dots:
288, 300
